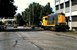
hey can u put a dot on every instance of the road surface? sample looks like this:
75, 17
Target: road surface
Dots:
36, 40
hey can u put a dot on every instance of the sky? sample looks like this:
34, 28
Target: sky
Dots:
23, 4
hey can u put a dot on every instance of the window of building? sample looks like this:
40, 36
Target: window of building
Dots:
57, 7
74, 18
57, 0
74, 2
67, 4
61, 6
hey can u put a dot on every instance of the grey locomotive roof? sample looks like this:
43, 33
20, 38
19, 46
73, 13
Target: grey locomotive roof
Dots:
53, 15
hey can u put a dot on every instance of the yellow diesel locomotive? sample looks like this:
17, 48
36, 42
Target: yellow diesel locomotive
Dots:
56, 21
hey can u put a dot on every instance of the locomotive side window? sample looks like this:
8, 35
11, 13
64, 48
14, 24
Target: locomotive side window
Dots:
45, 18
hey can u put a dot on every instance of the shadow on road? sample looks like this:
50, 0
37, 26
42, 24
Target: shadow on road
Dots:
28, 30
20, 30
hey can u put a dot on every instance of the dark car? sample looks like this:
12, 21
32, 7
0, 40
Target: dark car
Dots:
2, 26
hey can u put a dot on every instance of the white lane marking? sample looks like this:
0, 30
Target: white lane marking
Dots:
19, 35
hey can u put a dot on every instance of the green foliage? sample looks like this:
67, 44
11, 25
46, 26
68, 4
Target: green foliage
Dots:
7, 9
20, 20
34, 13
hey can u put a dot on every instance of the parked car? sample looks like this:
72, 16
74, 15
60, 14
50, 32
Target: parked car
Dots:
2, 26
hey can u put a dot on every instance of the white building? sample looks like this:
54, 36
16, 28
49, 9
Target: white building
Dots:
64, 6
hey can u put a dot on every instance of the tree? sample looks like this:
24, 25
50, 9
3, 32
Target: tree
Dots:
26, 16
20, 20
7, 9
47, 9
35, 12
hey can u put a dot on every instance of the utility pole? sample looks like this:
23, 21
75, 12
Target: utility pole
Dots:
64, 6
59, 6
29, 19
33, 13
55, 5
70, 3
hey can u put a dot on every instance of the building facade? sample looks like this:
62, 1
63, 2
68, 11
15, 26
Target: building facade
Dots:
64, 6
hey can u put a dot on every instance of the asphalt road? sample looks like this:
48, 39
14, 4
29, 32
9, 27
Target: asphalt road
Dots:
36, 40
